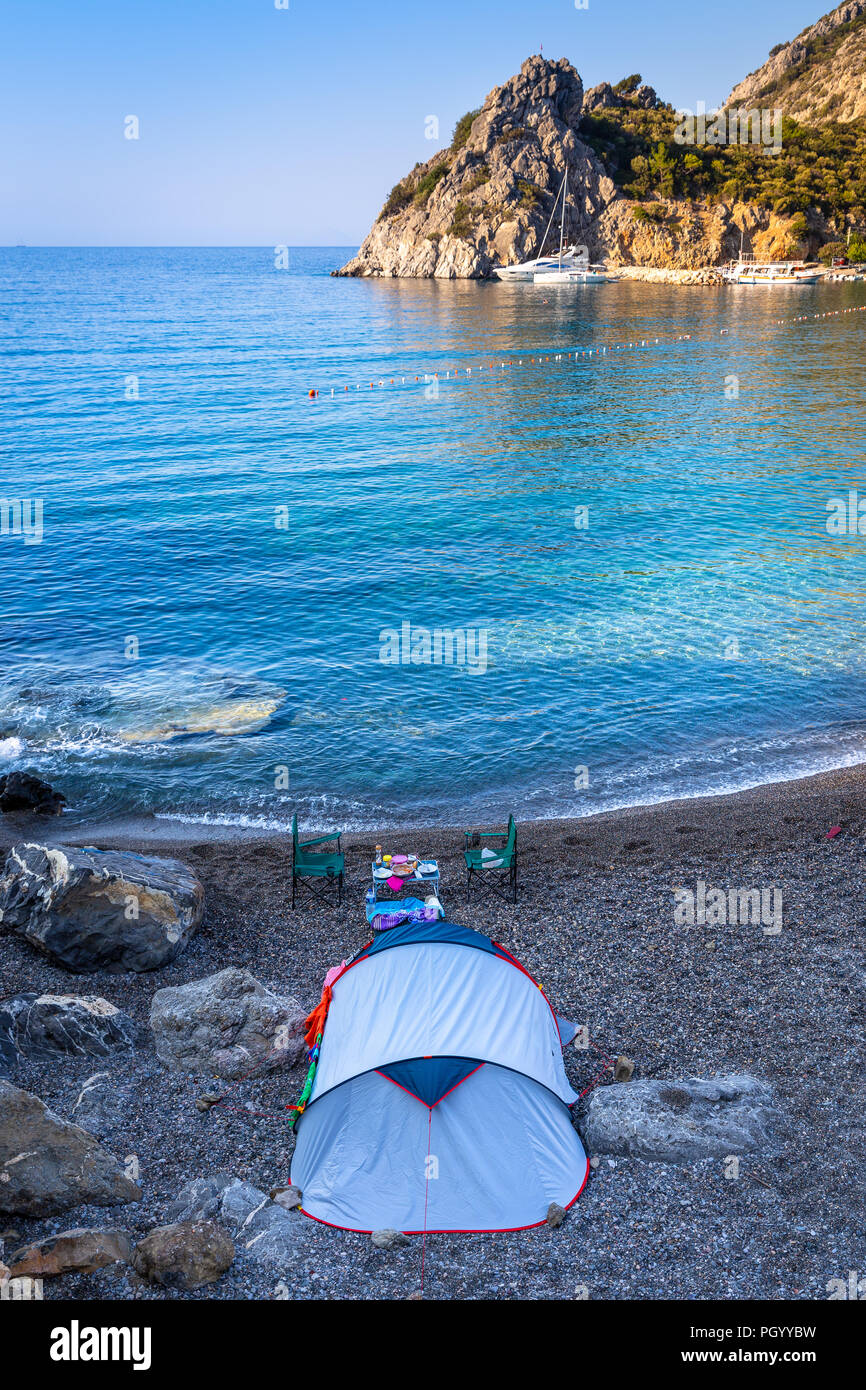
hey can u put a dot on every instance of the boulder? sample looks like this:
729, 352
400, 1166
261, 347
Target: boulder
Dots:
185, 1255
21, 792
226, 1025
42, 1026
92, 909
262, 1230
681, 1121
48, 1165
80, 1249
555, 1215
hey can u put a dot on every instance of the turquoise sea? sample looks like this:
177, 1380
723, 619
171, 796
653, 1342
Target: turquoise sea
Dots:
198, 630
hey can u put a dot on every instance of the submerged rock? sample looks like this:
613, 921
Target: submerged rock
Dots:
19, 791
48, 1165
227, 1024
41, 1026
185, 1255
681, 1121
92, 909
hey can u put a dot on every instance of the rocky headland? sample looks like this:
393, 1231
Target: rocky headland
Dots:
639, 195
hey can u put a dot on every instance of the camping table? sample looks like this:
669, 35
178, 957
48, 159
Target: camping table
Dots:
411, 881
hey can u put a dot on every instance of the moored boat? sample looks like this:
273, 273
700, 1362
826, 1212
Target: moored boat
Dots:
749, 272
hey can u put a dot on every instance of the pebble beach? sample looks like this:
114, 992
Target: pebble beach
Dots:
595, 925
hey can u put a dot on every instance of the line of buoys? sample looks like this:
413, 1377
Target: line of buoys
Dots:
827, 314
603, 351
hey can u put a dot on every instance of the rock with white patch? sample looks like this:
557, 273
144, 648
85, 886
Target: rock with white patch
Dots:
42, 1026
100, 1104
48, 1165
260, 1228
681, 1121
92, 909
227, 1025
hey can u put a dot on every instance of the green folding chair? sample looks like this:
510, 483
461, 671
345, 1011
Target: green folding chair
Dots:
496, 873
316, 872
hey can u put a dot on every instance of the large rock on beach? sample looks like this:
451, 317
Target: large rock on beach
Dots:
92, 909
262, 1230
226, 1025
48, 1165
19, 791
80, 1249
42, 1026
681, 1121
185, 1255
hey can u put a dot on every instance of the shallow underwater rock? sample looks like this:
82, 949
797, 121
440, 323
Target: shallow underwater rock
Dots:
19, 791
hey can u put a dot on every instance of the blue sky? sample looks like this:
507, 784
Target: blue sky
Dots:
261, 126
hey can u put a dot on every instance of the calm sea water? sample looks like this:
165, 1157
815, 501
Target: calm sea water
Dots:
171, 645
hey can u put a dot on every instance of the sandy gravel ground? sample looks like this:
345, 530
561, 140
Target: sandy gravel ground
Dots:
595, 925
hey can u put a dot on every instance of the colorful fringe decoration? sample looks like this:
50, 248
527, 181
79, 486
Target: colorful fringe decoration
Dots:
313, 1039
316, 1020
301, 1105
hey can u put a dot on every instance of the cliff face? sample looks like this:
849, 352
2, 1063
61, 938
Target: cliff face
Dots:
486, 201
819, 76
637, 197
690, 235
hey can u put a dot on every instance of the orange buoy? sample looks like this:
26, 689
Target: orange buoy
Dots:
314, 393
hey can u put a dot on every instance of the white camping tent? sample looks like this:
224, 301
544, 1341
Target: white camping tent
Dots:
440, 1102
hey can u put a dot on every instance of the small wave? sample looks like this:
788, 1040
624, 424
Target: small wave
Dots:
238, 821
10, 749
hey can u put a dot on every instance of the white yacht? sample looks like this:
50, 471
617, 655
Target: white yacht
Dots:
569, 267
581, 273
526, 270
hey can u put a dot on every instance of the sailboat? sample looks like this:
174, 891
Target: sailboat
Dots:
568, 259
579, 272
